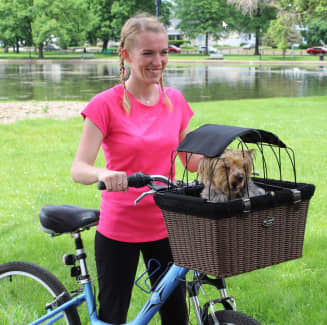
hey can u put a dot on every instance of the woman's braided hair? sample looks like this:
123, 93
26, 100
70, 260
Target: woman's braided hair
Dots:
132, 27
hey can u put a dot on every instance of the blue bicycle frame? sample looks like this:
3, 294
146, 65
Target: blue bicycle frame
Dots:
158, 296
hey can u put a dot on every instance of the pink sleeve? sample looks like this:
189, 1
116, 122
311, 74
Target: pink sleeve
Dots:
97, 111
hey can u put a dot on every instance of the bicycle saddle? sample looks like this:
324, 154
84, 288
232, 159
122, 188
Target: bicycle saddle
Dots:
59, 219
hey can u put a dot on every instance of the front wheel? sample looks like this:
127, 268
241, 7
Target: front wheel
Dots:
26, 289
230, 317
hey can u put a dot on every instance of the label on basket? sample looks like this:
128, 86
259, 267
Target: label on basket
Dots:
269, 221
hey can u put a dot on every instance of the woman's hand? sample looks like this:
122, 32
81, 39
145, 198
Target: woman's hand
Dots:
114, 181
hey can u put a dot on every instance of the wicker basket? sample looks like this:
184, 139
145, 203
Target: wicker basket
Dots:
220, 240
230, 246
229, 238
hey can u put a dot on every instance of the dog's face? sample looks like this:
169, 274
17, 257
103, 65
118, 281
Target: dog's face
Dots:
229, 173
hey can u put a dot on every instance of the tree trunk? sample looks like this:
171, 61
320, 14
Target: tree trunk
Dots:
257, 34
17, 47
207, 41
41, 56
105, 44
257, 41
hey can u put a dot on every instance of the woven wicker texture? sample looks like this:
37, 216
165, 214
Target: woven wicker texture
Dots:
239, 244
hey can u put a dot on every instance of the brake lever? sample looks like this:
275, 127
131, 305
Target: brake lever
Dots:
143, 195
154, 188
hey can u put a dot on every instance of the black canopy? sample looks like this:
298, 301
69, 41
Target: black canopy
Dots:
212, 139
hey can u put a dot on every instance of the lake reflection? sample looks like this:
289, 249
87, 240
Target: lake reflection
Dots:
198, 82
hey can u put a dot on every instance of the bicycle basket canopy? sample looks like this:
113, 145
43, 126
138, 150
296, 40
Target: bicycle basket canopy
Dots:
243, 234
212, 139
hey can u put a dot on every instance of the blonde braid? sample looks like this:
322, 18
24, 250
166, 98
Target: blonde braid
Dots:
126, 100
167, 100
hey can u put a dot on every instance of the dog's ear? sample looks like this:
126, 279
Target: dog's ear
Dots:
248, 158
204, 169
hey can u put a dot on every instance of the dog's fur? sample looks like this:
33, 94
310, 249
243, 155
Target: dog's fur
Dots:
228, 177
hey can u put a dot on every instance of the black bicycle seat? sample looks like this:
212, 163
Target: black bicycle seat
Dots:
59, 219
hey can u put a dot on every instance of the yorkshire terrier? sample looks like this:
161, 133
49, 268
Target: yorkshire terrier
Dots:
228, 177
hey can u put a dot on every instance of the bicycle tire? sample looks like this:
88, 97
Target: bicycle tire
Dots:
231, 317
25, 290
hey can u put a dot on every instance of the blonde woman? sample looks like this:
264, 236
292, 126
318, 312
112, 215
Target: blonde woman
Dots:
138, 123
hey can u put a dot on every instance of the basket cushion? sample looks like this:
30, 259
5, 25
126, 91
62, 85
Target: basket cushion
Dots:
177, 201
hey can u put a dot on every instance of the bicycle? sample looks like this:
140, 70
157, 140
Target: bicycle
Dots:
32, 295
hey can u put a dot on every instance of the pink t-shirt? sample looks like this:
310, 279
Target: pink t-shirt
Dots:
142, 141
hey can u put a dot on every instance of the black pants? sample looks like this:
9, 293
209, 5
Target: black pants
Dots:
117, 264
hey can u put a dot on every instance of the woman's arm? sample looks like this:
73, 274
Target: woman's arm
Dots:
83, 170
191, 160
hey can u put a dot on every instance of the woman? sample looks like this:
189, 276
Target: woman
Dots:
138, 123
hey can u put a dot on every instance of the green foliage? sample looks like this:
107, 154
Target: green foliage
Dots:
101, 28
283, 33
15, 21
40, 21
317, 31
255, 19
111, 15
64, 20
261, 20
310, 9
179, 42
202, 16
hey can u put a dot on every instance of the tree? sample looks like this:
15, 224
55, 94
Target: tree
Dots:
283, 32
257, 16
317, 32
203, 17
112, 14
65, 21
250, 7
309, 9
15, 22
123, 9
102, 24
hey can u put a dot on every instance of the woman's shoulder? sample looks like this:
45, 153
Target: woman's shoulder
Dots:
107, 101
110, 94
173, 92
175, 95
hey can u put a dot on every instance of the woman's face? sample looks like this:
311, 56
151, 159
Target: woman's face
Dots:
148, 57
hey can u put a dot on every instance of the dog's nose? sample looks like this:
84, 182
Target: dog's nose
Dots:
240, 177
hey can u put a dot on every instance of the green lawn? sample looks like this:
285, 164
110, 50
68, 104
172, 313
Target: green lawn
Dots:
36, 156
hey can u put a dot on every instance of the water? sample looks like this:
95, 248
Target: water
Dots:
198, 82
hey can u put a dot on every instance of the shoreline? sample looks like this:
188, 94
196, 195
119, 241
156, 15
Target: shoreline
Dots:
207, 61
11, 112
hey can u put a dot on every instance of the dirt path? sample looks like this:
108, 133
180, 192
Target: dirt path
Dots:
13, 111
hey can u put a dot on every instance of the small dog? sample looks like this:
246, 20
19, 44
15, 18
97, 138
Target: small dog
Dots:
228, 177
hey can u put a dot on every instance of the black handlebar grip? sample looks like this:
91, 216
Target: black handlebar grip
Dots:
134, 180
101, 186
138, 180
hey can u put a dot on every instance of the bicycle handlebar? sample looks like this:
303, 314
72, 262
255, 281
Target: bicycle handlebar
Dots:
139, 180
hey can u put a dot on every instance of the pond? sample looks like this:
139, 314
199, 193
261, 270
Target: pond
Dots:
198, 82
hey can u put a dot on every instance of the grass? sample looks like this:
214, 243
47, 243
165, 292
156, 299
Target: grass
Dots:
36, 156
227, 57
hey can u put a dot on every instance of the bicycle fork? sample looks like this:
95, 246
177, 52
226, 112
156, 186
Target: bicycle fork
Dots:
194, 287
